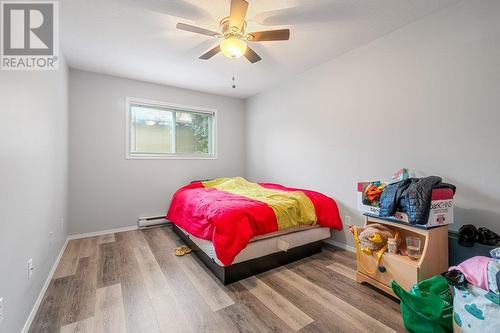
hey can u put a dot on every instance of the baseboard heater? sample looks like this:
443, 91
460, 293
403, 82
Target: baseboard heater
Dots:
152, 221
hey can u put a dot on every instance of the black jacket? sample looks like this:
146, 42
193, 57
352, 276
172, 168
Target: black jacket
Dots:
412, 196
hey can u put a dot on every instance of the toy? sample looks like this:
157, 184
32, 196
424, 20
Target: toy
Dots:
372, 193
392, 245
400, 175
372, 237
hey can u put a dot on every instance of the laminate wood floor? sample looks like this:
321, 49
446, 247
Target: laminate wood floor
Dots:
132, 282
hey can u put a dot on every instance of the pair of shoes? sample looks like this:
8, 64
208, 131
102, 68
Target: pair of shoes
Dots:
182, 250
468, 234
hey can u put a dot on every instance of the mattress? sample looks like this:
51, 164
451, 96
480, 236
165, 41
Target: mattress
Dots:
267, 244
301, 227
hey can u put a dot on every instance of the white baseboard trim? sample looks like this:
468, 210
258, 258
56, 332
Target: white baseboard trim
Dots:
343, 246
102, 232
39, 300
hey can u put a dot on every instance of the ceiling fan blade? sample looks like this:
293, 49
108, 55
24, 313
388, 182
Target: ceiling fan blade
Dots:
210, 53
261, 36
252, 56
237, 13
197, 30
177, 8
307, 12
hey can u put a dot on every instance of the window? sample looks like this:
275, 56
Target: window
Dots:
161, 130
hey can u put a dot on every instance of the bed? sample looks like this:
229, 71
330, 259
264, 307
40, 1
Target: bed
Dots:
238, 228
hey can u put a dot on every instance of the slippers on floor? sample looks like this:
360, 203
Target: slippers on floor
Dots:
467, 235
182, 250
487, 237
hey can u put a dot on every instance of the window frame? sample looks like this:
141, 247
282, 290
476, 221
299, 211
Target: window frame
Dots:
178, 107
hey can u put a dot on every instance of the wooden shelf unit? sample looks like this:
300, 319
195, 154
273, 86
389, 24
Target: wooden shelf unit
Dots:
406, 271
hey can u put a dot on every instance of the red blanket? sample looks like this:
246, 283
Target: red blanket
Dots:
231, 220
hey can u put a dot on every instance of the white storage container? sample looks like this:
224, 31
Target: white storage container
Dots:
441, 212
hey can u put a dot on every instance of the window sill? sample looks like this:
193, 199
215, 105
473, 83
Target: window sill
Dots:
169, 157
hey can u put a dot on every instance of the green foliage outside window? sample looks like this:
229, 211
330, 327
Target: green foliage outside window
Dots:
201, 128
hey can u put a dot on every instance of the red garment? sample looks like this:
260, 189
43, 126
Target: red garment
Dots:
230, 221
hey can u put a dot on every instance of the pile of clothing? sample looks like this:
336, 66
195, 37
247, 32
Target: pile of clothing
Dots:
483, 272
412, 196
476, 302
474, 305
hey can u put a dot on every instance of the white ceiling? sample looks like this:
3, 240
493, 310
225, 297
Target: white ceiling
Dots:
137, 38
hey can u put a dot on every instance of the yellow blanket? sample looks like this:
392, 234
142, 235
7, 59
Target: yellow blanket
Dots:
292, 208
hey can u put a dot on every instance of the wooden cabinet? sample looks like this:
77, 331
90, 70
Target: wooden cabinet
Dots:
406, 271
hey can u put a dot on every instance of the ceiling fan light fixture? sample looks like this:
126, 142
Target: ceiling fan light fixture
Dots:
233, 47
234, 34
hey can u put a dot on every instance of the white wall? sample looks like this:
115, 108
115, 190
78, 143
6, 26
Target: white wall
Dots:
33, 184
107, 191
426, 97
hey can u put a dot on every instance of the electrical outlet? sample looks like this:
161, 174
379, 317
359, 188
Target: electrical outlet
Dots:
1, 310
31, 268
347, 220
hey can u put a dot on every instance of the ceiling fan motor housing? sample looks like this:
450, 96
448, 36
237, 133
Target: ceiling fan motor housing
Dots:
233, 31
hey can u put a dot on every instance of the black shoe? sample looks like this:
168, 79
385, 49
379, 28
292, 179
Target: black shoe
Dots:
487, 237
467, 235
455, 278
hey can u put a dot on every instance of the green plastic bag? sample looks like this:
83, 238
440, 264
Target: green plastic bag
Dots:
427, 307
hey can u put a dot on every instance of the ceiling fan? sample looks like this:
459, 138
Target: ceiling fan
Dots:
233, 34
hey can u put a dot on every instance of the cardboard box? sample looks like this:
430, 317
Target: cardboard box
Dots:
441, 212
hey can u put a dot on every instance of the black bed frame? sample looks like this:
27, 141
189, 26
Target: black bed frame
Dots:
242, 270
